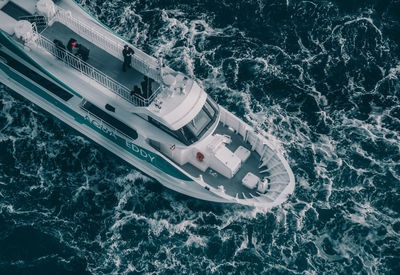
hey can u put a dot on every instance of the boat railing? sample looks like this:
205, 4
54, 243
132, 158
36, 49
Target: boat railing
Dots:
256, 141
39, 20
259, 144
142, 62
90, 71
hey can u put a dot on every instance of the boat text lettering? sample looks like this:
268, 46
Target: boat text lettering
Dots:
142, 152
100, 125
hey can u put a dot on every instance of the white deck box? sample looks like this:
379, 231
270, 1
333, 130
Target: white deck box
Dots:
250, 180
242, 153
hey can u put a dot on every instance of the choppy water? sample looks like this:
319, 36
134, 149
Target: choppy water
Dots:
322, 77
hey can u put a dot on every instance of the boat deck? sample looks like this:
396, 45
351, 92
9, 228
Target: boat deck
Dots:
112, 66
232, 186
100, 59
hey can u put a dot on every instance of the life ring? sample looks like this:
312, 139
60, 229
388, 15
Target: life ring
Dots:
199, 156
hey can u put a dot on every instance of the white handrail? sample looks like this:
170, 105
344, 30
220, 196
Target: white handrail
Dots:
245, 131
88, 70
105, 122
142, 62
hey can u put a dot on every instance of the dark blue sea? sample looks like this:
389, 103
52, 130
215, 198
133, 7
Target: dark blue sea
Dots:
319, 78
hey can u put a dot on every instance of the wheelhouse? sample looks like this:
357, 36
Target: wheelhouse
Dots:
201, 123
197, 127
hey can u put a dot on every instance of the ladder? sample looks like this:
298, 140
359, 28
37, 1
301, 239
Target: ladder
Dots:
39, 20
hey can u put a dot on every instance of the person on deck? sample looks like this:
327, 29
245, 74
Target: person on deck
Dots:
127, 52
136, 91
71, 45
82, 52
60, 49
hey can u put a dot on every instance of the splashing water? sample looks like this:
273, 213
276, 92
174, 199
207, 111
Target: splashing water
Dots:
320, 78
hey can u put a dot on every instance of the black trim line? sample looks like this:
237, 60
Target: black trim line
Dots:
34, 76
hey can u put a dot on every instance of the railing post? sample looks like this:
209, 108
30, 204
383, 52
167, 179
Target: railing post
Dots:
88, 70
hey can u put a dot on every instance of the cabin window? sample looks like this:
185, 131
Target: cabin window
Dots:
201, 123
42, 81
192, 132
14, 10
112, 121
187, 136
209, 108
165, 129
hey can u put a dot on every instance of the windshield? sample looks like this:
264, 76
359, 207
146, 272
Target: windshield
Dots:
199, 122
192, 132
202, 121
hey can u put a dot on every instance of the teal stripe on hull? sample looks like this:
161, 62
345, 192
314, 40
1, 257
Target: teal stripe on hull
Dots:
4, 40
126, 145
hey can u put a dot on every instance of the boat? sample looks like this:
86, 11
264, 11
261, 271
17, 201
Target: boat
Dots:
155, 118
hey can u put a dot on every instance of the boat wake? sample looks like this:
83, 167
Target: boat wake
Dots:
323, 78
